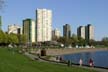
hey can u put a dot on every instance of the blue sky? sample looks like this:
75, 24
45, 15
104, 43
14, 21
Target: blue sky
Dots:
73, 12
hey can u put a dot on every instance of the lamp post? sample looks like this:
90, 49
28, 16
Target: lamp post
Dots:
0, 23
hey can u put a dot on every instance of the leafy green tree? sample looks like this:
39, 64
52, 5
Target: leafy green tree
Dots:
82, 42
55, 38
13, 38
105, 41
74, 39
92, 42
6, 38
1, 36
68, 41
22, 39
63, 40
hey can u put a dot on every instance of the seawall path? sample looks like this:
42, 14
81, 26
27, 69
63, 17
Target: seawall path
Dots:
54, 52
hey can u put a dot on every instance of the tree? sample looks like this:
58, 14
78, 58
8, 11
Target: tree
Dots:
74, 39
55, 38
6, 38
61, 40
82, 41
66, 41
91, 42
2, 2
105, 41
23, 39
13, 38
1, 36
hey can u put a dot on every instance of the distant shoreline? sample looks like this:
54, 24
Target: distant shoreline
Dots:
55, 52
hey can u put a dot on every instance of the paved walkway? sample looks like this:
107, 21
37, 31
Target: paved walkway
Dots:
34, 57
97, 69
65, 51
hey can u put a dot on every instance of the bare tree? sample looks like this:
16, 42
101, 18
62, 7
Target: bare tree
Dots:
2, 2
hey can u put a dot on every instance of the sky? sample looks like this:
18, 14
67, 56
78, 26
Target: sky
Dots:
74, 12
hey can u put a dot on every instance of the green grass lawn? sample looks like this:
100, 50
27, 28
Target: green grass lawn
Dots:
14, 62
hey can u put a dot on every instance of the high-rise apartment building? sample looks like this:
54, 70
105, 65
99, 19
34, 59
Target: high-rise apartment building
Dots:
89, 32
56, 33
67, 31
16, 29
43, 25
86, 32
81, 32
29, 30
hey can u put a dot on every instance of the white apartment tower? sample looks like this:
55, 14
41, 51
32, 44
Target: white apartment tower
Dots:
86, 32
43, 25
81, 32
89, 32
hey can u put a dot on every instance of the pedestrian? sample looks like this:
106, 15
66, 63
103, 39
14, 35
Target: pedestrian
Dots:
61, 58
80, 62
69, 63
57, 58
91, 63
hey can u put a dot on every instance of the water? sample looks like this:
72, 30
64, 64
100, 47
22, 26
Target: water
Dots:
100, 58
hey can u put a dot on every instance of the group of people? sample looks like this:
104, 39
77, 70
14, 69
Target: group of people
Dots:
91, 63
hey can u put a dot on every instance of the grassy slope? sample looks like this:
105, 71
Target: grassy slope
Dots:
14, 62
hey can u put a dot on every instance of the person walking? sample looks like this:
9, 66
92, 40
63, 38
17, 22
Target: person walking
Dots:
80, 62
91, 63
69, 63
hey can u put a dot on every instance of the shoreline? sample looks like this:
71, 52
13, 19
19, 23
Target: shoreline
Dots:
97, 68
79, 51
